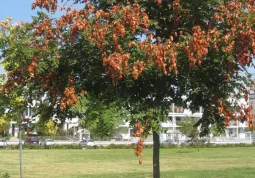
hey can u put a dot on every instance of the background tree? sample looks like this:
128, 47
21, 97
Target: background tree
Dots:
51, 128
188, 128
4, 126
100, 119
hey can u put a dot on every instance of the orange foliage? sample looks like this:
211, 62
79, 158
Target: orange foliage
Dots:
158, 2
32, 66
69, 99
114, 63
243, 33
138, 68
49, 5
177, 15
140, 144
198, 48
245, 113
239, 37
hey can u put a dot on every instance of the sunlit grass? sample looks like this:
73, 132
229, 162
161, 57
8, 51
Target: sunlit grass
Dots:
110, 163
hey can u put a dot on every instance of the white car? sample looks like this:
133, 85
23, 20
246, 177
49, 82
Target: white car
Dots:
85, 143
48, 142
3, 143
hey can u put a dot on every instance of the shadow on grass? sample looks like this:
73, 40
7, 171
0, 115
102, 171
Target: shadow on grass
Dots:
226, 173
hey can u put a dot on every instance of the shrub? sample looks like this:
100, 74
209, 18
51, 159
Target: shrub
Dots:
8, 136
6, 175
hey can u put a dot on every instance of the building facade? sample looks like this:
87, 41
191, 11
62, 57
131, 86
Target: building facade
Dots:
170, 128
27, 115
30, 120
236, 129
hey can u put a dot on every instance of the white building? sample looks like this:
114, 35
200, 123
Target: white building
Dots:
170, 128
14, 126
236, 129
28, 116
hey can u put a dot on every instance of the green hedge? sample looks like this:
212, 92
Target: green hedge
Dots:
208, 145
128, 146
5, 175
34, 147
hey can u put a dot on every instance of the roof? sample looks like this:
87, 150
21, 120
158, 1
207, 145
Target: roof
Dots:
173, 132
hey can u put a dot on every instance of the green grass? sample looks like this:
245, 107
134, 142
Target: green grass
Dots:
120, 163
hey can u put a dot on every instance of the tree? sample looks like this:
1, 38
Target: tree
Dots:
4, 126
100, 119
51, 128
187, 127
148, 54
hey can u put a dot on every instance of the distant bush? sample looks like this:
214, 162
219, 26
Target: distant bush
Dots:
113, 146
35, 146
8, 136
209, 145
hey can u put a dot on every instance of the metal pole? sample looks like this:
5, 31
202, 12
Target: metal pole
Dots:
20, 152
237, 129
173, 116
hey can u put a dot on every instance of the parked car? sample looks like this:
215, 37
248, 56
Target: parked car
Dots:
169, 142
47, 142
85, 143
32, 140
3, 143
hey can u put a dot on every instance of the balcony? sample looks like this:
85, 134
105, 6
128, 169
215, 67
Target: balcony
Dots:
238, 124
233, 123
168, 124
177, 110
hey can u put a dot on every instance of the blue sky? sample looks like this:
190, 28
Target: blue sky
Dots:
17, 9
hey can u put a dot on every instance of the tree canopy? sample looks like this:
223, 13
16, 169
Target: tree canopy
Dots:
150, 50
187, 127
100, 119
4, 125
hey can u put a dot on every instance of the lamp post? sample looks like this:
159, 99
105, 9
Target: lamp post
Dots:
20, 150
22, 119
173, 115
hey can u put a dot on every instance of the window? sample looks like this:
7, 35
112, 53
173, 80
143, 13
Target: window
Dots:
178, 119
241, 130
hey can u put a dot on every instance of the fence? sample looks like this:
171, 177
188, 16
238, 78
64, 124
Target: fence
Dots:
252, 137
106, 138
25, 137
67, 140
229, 140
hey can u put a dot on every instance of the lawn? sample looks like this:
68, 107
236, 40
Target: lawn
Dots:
110, 163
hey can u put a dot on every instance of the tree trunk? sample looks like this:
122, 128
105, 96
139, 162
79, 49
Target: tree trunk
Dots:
156, 144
